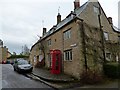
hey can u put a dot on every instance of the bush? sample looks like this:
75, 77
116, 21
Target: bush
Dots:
91, 77
112, 70
18, 56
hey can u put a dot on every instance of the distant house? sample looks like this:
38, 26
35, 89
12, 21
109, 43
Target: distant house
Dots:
81, 38
3, 52
8, 54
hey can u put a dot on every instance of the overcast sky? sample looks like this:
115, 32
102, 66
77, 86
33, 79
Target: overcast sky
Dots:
21, 21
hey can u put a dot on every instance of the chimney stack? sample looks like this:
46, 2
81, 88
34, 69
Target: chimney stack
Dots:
76, 4
110, 20
58, 18
44, 31
1, 43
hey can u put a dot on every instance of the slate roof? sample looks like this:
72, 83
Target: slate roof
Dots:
74, 14
69, 18
79, 10
116, 29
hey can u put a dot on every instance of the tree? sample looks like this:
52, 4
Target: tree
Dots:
25, 50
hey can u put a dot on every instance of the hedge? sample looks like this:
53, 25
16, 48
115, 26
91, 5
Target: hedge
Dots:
112, 70
18, 56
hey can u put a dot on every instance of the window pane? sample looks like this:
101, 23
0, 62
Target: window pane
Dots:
108, 55
49, 42
67, 34
106, 35
96, 10
68, 55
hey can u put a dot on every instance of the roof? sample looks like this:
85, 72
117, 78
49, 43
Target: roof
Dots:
69, 18
65, 21
9, 52
55, 29
79, 10
116, 29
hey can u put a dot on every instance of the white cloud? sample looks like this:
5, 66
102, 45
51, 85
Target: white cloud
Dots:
34, 1
119, 15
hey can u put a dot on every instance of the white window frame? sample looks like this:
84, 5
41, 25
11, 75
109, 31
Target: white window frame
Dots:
67, 34
49, 42
108, 56
68, 55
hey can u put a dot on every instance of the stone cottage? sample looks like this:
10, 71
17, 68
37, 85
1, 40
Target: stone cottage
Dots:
80, 37
3, 52
115, 47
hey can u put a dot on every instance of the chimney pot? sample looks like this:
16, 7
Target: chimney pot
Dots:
76, 4
44, 31
58, 18
110, 20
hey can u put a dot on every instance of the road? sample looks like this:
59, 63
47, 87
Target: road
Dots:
12, 79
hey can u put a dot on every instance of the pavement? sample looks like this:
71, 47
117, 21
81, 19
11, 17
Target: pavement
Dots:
68, 81
45, 74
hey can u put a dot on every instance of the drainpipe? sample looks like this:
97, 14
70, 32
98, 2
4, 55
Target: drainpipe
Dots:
102, 35
84, 44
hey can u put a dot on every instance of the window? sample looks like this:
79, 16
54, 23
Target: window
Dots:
40, 51
106, 36
96, 10
49, 42
67, 34
68, 55
119, 39
108, 55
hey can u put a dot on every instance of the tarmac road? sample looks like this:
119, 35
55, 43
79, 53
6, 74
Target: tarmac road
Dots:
12, 79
